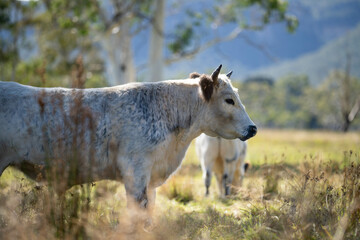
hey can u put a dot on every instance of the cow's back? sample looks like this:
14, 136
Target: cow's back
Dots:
20, 123
36, 123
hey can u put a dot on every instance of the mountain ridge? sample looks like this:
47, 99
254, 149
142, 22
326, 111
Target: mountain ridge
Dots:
318, 64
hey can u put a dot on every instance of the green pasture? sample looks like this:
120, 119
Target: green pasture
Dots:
293, 147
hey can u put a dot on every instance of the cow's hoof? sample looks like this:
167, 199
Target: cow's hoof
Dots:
207, 193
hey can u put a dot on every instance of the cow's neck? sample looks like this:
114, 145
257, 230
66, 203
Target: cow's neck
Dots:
184, 122
185, 118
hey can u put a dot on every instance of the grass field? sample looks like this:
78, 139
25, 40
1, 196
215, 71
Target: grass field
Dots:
301, 185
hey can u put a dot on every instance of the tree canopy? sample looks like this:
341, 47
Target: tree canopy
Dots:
49, 35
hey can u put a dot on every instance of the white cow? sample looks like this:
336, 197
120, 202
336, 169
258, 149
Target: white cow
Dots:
226, 158
136, 133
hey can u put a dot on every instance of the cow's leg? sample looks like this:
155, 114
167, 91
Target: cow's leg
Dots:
136, 183
207, 166
151, 199
137, 191
148, 226
242, 173
243, 166
137, 203
5, 161
207, 181
137, 197
3, 165
228, 176
219, 180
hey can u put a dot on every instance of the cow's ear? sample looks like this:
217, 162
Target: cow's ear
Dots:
194, 75
207, 86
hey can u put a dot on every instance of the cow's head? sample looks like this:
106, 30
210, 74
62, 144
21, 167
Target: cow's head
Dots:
225, 115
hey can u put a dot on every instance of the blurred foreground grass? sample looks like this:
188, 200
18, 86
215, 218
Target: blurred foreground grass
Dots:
302, 185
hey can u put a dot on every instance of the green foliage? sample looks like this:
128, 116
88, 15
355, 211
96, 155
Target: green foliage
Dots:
4, 14
291, 102
65, 29
183, 36
328, 100
62, 34
14, 21
293, 85
269, 11
189, 36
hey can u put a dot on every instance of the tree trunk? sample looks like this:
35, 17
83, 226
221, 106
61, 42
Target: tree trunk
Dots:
119, 61
156, 44
15, 53
346, 125
345, 98
355, 109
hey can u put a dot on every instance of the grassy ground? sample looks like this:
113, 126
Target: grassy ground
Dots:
301, 185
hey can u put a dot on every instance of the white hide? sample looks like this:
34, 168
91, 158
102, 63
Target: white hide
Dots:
136, 133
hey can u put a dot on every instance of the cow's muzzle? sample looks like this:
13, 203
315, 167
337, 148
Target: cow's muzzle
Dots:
252, 130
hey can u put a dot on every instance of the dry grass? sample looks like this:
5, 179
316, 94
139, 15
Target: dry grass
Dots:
303, 185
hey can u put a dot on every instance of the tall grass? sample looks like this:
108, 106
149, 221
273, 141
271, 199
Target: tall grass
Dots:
314, 199
53, 209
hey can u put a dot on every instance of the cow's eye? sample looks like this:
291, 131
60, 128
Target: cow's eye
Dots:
229, 101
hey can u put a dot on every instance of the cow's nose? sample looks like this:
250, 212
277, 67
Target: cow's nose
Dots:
252, 131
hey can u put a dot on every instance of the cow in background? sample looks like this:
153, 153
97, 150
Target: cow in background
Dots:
226, 158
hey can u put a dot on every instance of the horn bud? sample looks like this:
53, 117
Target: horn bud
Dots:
229, 74
215, 74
